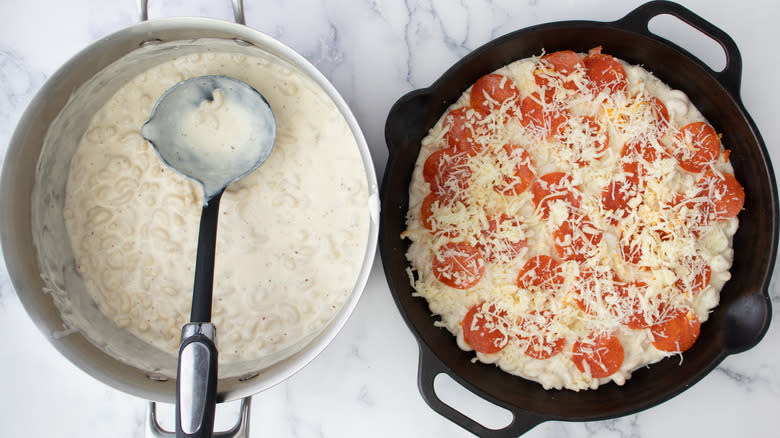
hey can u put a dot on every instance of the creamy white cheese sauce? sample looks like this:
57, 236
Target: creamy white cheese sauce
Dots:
498, 283
292, 235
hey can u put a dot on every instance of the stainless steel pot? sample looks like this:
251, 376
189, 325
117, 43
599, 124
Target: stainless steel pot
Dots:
68, 100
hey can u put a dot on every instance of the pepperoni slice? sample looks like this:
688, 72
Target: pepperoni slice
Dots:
627, 307
696, 275
640, 154
540, 271
604, 71
719, 198
577, 238
587, 138
696, 146
636, 157
458, 265
593, 285
600, 353
693, 213
724, 195
552, 187
491, 92
514, 164
630, 248
485, 330
544, 120
553, 68
678, 331
502, 240
430, 222
661, 116
447, 171
426, 210
535, 339
617, 195
638, 151
463, 128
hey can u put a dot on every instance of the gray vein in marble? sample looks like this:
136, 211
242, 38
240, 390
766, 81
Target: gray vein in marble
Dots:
329, 53
759, 378
355, 350
743, 380
20, 82
374, 7
457, 45
407, 27
421, 27
298, 425
106, 17
625, 427
365, 398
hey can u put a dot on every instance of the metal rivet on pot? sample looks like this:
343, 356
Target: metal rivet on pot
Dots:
242, 42
150, 42
157, 377
246, 377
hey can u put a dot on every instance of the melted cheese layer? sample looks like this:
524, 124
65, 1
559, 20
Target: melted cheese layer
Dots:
659, 237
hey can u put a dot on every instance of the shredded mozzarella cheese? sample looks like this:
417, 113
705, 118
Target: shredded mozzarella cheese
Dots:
661, 249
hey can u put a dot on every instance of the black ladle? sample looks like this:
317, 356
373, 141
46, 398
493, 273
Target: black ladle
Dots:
215, 130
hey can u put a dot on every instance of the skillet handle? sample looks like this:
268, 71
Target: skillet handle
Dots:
638, 19
430, 367
409, 109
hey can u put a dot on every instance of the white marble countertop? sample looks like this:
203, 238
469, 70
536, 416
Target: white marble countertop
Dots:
373, 51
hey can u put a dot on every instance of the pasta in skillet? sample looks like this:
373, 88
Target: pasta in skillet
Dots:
571, 219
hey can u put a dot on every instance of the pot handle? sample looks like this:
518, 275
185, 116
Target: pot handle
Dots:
238, 11
239, 430
430, 367
638, 19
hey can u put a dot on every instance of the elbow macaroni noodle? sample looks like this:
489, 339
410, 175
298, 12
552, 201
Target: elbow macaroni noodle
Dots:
292, 235
589, 149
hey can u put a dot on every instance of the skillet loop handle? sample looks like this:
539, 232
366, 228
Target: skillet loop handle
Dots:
238, 11
638, 19
430, 367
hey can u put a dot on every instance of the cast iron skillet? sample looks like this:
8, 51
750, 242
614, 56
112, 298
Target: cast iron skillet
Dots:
737, 324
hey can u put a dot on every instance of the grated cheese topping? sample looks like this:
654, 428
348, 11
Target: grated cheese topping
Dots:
569, 214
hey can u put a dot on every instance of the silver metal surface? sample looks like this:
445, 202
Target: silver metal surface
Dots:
143, 10
238, 11
206, 329
193, 385
62, 97
239, 430
194, 365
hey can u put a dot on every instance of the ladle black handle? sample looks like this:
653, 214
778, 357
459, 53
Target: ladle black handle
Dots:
196, 381
203, 288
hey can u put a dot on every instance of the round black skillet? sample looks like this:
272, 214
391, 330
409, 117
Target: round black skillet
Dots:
737, 324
